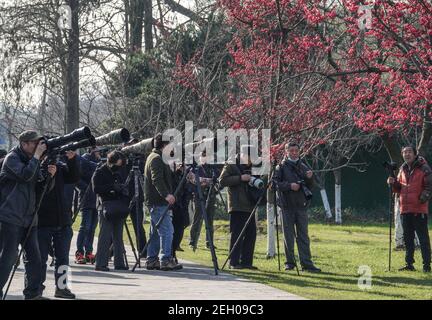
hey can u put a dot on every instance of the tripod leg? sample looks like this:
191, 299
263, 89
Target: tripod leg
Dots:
252, 215
391, 205
206, 221
137, 258
277, 235
285, 243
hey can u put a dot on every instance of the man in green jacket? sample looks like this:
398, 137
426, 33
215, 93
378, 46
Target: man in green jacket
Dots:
158, 195
240, 205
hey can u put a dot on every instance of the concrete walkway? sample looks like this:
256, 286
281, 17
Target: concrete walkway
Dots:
194, 282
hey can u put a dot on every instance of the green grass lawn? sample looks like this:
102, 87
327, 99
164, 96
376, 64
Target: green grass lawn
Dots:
338, 251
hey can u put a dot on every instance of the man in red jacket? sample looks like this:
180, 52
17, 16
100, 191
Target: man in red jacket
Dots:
414, 185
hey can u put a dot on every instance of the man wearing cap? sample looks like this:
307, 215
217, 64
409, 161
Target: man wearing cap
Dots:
20, 175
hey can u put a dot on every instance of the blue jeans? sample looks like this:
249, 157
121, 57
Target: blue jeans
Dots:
10, 237
87, 230
164, 237
60, 239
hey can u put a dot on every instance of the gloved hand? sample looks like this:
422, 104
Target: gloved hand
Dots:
424, 196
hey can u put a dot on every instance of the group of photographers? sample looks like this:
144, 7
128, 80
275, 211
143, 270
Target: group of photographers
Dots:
106, 191
105, 197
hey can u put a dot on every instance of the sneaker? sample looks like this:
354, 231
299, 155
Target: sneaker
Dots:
180, 249
311, 269
153, 265
427, 268
64, 294
289, 267
170, 265
104, 269
408, 267
90, 258
79, 258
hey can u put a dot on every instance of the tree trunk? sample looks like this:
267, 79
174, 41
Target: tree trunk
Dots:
338, 199
136, 15
148, 25
271, 223
393, 149
326, 203
426, 133
72, 72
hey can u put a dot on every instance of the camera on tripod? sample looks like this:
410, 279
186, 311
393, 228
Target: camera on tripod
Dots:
79, 138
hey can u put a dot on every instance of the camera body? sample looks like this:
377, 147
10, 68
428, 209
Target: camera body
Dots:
391, 167
256, 182
304, 188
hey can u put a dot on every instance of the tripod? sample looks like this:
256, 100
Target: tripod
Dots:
48, 180
391, 206
202, 205
135, 174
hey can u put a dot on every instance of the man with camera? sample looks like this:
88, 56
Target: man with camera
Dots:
158, 195
414, 186
206, 172
293, 181
108, 183
89, 215
55, 222
19, 177
236, 177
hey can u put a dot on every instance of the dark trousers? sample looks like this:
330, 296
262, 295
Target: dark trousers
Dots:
137, 222
87, 230
60, 238
198, 218
295, 222
178, 221
11, 236
412, 223
110, 232
243, 253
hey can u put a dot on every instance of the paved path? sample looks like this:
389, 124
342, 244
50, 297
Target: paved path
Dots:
193, 282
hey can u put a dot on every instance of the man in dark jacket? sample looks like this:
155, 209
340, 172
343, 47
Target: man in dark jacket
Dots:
158, 195
89, 217
206, 172
108, 183
293, 180
55, 225
414, 185
20, 175
240, 206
